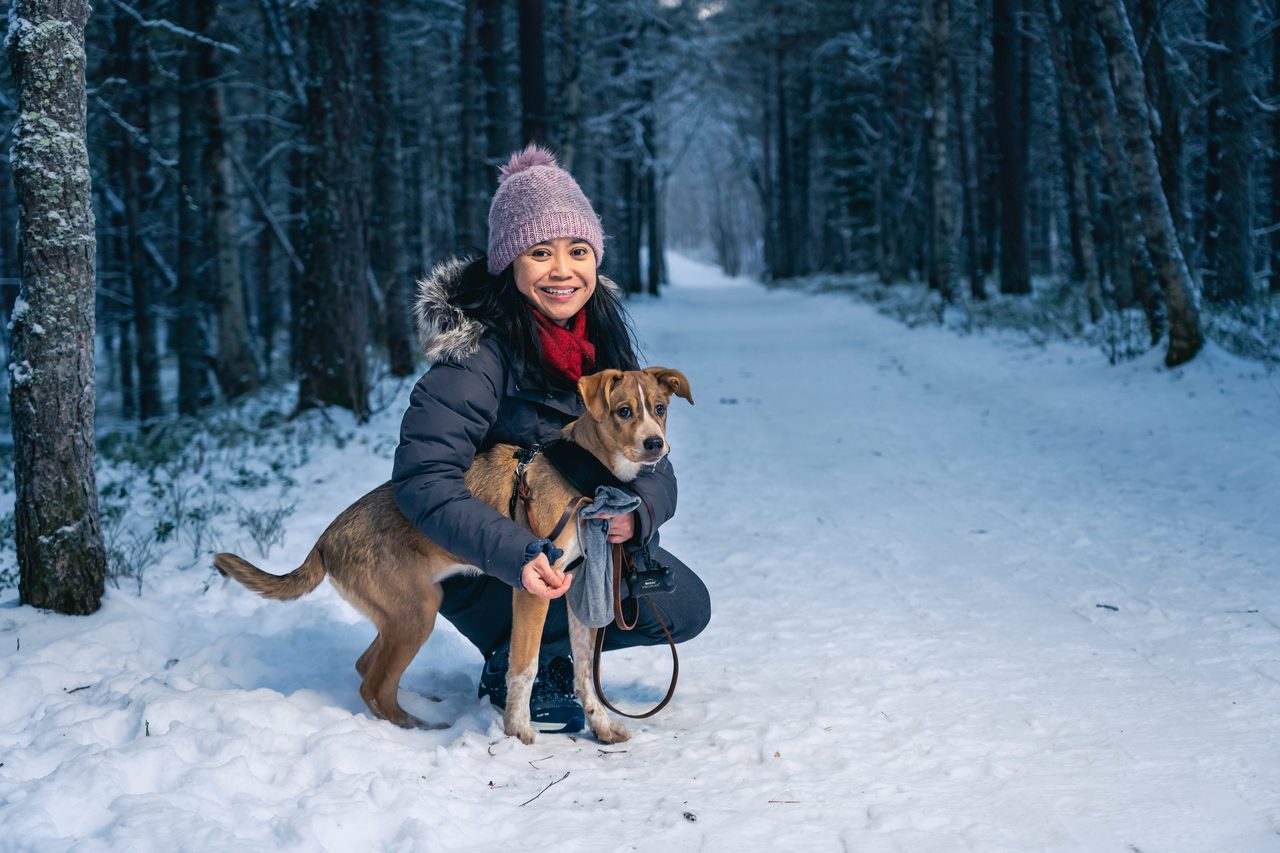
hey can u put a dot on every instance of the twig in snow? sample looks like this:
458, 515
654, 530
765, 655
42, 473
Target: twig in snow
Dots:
544, 790
610, 751
784, 801
78, 689
534, 762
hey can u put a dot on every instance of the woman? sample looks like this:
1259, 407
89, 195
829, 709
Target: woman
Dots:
509, 335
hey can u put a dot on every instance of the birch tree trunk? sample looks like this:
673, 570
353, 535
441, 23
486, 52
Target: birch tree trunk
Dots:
61, 559
1185, 336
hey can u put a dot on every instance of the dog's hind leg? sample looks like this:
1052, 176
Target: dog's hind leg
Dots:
389, 655
529, 614
362, 665
583, 641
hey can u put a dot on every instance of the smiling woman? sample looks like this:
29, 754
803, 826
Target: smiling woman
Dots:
509, 335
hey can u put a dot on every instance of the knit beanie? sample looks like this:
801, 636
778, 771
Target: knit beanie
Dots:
536, 201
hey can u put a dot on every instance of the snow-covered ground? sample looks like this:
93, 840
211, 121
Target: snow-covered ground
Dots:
969, 595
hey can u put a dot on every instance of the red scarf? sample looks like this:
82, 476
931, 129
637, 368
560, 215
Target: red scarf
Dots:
566, 352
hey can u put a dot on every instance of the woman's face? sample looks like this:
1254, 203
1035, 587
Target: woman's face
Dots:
557, 277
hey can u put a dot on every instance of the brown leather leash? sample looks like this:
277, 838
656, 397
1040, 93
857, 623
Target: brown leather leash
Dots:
620, 619
520, 493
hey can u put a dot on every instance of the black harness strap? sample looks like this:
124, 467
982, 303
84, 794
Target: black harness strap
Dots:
579, 466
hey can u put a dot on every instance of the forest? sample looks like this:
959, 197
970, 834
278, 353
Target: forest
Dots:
268, 174
242, 195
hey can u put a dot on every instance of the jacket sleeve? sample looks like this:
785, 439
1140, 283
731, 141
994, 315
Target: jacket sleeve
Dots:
657, 492
450, 412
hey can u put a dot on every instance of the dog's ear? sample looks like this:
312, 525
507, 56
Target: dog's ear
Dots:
672, 380
595, 391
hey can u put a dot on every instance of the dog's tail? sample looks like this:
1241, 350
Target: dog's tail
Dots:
296, 584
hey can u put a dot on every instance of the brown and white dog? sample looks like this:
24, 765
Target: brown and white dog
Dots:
391, 573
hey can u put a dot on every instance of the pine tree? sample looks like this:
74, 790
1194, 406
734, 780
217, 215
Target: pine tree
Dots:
61, 559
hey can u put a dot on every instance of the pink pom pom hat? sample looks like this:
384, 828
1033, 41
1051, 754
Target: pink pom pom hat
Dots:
536, 201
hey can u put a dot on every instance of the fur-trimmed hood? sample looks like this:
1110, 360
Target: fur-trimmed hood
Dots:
445, 333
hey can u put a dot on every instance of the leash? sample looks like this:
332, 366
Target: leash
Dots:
620, 619
581, 468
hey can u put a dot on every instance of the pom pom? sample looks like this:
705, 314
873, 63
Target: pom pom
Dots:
533, 155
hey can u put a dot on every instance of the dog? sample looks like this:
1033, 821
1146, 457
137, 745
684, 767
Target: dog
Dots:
381, 564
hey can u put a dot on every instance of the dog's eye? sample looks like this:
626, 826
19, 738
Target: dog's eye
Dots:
624, 412
659, 410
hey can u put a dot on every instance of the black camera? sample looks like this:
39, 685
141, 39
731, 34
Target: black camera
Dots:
648, 576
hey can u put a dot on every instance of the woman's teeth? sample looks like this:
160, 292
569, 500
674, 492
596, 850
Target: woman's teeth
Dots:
558, 291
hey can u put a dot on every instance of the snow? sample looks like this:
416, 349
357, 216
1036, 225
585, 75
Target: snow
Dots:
969, 595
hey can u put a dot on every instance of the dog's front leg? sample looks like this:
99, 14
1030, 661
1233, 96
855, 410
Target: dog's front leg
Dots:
583, 640
528, 614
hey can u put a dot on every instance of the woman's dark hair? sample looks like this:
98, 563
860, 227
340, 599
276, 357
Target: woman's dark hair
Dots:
497, 303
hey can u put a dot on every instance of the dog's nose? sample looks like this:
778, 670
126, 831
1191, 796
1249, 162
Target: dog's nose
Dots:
653, 442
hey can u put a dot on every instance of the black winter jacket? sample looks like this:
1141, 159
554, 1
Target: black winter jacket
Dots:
469, 400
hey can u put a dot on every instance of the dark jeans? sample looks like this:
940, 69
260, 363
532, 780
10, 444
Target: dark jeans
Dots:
480, 607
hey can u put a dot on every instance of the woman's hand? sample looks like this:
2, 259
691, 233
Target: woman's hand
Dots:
621, 527
544, 581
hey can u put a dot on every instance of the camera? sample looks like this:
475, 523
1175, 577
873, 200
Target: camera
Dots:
648, 576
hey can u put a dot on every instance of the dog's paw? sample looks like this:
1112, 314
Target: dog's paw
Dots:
519, 729
610, 731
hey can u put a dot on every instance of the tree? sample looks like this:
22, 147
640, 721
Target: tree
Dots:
1185, 336
1232, 279
333, 330
935, 25
61, 559
1011, 139
190, 330
387, 246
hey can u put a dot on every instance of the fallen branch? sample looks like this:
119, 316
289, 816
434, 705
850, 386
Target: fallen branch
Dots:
544, 790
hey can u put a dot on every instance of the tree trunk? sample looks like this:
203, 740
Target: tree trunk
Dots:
1128, 259
136, 186
1273, 166
1070, 108
968, 187
1185, 337
235, 365
1015, 264
469, 217
1233, 279
533, 73
496, 110
189, 334
387, 248
784, 255
334, 325
935, 26
61, 559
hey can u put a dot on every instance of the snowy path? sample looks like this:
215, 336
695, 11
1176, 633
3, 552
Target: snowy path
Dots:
969, 596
